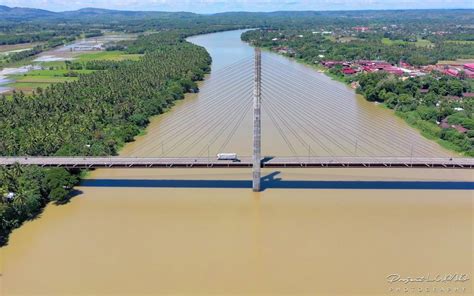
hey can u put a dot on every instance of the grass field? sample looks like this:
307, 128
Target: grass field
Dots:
388, 41
456, 62
6, 48
43, 79
29, 83
57, 73
330, 38
56, 64
6, 53
347, 39
108, 56
423, 43
461, 41
419, 42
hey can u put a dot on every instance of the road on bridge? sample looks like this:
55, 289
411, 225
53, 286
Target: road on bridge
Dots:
244, 162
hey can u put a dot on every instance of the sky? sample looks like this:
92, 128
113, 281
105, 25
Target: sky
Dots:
212, 6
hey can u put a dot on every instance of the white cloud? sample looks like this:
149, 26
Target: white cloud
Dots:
232, 5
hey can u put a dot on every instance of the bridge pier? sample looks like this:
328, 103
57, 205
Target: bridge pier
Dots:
257, 123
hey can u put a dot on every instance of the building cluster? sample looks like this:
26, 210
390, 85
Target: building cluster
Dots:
361, 29
456, 70
369, 66
403, 69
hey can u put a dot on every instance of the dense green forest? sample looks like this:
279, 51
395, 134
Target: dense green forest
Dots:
95, 116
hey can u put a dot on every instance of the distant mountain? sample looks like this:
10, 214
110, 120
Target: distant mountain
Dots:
25, 14
20, 13
94, 14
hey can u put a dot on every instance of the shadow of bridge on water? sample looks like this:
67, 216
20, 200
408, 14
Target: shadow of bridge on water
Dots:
272, 181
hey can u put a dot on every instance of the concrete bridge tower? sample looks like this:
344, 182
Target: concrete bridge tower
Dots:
257, 123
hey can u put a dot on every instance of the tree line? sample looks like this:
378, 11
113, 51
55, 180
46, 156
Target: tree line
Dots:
313, 48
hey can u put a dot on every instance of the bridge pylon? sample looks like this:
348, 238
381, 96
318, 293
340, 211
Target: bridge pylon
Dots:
257, 123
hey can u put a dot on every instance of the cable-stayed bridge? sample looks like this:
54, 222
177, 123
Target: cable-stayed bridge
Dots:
244, 162
312, 120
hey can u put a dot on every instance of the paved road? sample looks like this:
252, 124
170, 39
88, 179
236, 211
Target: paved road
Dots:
245, 162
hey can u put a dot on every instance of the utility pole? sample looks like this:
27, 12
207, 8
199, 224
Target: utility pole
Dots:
257, 123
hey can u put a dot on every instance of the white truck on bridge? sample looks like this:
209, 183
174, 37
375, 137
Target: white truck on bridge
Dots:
227, 156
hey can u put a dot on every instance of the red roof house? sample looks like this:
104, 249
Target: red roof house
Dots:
349, 71
469, 67
369, 69
451, 72
444, 124
394, 70
460, 129
361, 29
330, 64
469, 73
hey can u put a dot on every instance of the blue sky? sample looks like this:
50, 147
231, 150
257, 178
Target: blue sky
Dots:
211, 6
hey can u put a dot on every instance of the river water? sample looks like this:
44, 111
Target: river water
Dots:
195, 232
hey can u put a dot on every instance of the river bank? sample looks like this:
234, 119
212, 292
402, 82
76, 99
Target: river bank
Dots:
424, 120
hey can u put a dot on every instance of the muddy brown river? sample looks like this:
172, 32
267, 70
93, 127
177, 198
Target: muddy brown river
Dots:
203, 231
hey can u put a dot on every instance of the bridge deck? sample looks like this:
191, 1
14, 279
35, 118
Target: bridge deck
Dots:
245, 162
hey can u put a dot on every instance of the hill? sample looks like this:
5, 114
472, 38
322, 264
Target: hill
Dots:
31, 14
20, 13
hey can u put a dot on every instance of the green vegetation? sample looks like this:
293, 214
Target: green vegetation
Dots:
24, 191
55, 73
471, 42
32, 80
318, 47
388, 41
419, 42
442, 101
425, 110
93, 116
108, 56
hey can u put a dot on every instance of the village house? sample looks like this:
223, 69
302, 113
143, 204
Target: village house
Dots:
361, 29
405, 69
469, 70
445, 125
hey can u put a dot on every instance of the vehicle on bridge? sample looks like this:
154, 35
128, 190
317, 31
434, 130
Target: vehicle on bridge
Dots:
228, 156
